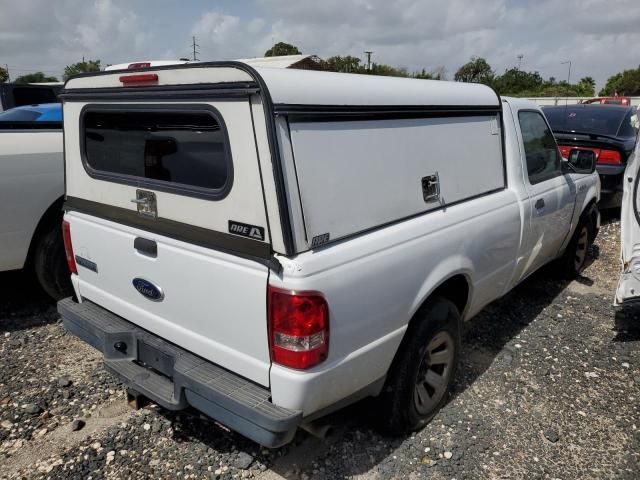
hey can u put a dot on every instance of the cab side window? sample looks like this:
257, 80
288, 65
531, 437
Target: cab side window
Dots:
543, 158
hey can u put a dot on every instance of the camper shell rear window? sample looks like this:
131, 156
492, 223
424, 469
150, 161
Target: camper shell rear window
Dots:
180, 149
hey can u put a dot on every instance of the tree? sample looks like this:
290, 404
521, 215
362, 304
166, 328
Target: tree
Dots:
423, 75
586, 87
477, 70
626, 82
81, 67
387, 70
4, 75
518, 83
282, 48
37, 77
346, 64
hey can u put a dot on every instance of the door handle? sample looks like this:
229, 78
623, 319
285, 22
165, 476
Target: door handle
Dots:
146, 247
539, 204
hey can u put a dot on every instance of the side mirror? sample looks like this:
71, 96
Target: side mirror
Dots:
582, 161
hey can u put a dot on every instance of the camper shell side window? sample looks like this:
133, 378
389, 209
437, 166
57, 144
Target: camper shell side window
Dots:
180, 149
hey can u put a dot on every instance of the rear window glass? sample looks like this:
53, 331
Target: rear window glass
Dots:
178, 148
19, 115
581, 119
33, 95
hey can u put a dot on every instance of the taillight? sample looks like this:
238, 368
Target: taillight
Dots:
565, 152
610, 157
68, 247
298, 328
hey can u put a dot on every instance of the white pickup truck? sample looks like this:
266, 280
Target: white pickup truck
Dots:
268, 245
31, 195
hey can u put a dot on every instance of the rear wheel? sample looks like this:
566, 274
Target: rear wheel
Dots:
423, 371
50, 263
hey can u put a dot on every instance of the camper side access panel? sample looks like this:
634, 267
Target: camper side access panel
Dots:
363, 173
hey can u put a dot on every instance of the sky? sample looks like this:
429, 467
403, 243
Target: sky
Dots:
599, 37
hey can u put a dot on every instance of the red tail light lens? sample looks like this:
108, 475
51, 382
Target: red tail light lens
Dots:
139, 79
609, 157
68, 247
565, 152
298, 328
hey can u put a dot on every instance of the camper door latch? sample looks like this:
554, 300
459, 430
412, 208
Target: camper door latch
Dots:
147, 204
431, 188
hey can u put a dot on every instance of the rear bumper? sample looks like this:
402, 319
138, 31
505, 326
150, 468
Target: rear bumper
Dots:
175, 378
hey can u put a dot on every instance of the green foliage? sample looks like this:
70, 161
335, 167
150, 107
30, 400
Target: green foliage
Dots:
4, 75
282, 48
81, 67
626, 83
387, 70
350, 64
346, 64
519, 83
477, 70
37, 77
423, 75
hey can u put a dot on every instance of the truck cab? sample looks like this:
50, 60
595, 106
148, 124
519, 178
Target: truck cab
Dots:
268, 245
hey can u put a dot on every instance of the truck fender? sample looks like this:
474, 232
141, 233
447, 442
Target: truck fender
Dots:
447, 269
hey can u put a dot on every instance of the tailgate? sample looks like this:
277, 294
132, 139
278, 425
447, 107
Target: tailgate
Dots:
168, 222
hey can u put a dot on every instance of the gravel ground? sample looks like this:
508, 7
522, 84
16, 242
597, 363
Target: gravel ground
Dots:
549, 387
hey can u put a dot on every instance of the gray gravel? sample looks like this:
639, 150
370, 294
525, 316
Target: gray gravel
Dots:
549, 387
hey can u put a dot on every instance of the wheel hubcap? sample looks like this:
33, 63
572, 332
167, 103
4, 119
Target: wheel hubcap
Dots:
434, 372
581, 249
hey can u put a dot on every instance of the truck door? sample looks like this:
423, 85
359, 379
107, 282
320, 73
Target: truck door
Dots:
629, 283
551, 195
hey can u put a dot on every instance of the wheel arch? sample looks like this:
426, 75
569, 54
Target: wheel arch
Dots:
51, 215
456, 287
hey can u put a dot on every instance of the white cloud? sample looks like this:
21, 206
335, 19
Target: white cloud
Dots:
600, 37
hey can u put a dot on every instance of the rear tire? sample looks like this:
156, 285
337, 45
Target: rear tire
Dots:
50, 263
422, 373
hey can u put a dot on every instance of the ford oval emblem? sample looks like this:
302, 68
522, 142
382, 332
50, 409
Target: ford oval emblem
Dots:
148, 289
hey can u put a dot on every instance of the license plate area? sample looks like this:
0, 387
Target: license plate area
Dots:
155, 359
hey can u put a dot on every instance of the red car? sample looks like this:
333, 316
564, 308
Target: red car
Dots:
624, 101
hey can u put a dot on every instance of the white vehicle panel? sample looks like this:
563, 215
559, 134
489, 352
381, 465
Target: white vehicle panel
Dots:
31, 180
629, 283
365, 312
244, 203
355, 175
205, 307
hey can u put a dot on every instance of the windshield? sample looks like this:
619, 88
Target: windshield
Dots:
596, 119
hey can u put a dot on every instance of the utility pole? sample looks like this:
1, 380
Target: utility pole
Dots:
368, 60
195, 51
520, 56
568, 80
568, 76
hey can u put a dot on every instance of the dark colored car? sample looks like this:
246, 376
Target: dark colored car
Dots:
607, 132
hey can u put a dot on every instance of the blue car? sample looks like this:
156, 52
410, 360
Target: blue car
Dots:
46, 112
